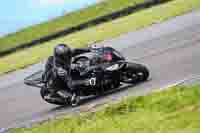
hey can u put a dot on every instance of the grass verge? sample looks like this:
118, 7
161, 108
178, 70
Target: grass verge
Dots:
108, 30
171, 111
70, 20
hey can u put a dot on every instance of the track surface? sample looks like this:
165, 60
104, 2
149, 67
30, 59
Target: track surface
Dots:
171, 50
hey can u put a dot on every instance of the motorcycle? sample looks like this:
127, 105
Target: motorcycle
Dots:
106, 70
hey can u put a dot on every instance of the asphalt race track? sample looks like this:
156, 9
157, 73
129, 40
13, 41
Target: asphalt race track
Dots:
171, 50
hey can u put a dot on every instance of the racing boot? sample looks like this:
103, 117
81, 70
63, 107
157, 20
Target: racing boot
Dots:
75, 100
75, 96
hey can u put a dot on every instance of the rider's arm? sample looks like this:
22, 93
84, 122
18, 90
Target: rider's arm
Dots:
48, 67
78, 51
49, 63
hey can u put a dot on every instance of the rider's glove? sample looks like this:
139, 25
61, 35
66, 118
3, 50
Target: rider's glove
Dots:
61, 72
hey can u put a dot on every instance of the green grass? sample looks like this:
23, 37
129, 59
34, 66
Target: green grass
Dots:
104, 31
171, 111
66, 21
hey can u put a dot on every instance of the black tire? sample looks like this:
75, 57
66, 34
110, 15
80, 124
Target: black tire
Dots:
44, 92
144, 73
136, 72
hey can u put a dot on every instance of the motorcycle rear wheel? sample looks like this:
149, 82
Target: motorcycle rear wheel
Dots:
135, 73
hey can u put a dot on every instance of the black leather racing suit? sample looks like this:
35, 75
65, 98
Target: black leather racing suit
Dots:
57, 74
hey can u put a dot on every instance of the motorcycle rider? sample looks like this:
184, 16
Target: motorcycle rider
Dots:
57, 70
